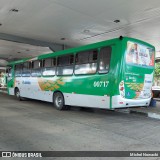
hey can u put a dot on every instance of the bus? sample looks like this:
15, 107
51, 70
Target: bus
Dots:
111, 74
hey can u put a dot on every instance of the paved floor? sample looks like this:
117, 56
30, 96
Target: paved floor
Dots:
34, 125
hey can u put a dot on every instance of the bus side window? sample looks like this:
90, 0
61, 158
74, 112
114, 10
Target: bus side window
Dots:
65, 65
26, 72
86, 62
104, 62
36, 68
49, 67
18, 70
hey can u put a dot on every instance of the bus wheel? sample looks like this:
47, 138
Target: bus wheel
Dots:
17, 94
58, 101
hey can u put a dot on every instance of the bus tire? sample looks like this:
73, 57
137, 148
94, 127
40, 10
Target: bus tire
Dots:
17, 94
58, 101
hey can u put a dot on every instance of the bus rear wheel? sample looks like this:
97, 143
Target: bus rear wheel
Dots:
58, 101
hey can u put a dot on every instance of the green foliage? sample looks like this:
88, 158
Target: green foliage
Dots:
157, 70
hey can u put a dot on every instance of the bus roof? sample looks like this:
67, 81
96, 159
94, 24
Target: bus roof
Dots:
79, 49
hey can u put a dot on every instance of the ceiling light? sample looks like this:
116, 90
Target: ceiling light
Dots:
14, 10
63, 39
116, 21
86, 31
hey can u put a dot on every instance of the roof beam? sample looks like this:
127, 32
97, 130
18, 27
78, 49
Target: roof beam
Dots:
53, 46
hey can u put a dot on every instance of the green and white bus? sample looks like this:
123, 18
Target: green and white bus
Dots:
116, 73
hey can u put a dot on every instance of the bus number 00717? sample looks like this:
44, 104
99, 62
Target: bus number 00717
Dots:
101, 83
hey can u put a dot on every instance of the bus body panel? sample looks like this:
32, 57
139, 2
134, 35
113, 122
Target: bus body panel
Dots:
36, 91
92, 101
92, 93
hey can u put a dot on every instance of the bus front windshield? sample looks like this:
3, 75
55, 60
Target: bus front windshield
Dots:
139, 55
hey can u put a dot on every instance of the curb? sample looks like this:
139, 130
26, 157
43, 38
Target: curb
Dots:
148, 114
3, 91
154, 115
157, 99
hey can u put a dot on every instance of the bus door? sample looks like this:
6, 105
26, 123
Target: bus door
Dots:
10, 80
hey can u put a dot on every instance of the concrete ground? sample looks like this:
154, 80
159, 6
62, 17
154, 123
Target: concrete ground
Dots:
37, 126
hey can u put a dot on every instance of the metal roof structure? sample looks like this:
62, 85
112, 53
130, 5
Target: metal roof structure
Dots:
48, 25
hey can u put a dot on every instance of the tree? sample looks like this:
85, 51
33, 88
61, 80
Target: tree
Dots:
157, 70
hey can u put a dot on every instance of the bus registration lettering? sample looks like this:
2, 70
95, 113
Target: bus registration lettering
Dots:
101, 83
